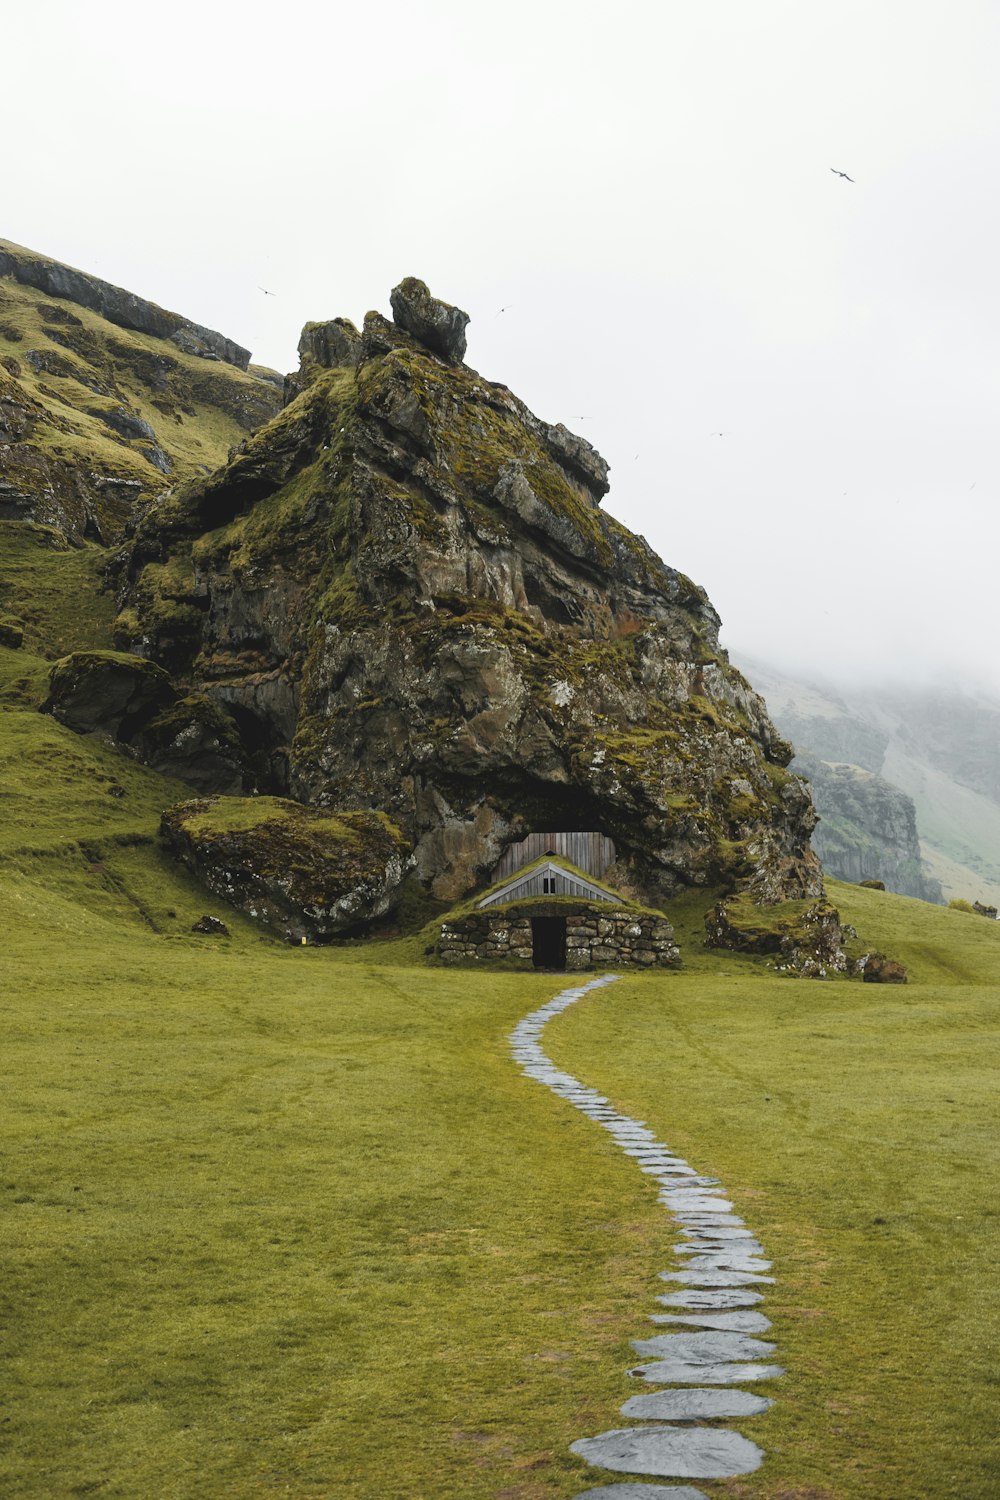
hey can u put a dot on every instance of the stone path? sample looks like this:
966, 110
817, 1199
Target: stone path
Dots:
722, 1270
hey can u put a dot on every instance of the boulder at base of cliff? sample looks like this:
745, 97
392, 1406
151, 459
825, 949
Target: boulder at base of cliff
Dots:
805, 937
107, 690
195, 739
134, 700
875, 968
304, 871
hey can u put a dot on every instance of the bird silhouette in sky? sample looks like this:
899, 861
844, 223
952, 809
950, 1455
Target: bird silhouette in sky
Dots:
265, 291
841, 174
502, 310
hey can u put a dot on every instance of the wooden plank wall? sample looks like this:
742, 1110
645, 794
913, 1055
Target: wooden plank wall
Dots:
592, 853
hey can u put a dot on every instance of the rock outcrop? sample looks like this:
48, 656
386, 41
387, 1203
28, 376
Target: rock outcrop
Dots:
867, 829
406, 593
804, 938
300, 870
876, 968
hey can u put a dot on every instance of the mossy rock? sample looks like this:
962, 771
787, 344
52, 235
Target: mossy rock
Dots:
194, 738
305, 872
876, 968
406, 584
802, 937
111, 691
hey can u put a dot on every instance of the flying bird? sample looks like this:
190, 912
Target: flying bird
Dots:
502, 310
841, 174
265, 291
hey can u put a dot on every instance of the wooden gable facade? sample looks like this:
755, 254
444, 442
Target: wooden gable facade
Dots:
593, 853
548, 879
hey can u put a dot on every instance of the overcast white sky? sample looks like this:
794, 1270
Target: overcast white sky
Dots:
646, 189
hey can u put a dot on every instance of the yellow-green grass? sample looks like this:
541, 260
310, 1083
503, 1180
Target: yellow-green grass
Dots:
285, 1221
197, 433
855, 1128
54, 590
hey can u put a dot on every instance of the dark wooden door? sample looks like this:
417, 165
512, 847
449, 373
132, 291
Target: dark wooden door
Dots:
548, 942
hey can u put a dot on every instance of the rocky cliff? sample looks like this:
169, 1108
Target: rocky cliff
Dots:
406, 593
935, 755
867, 828
105, 399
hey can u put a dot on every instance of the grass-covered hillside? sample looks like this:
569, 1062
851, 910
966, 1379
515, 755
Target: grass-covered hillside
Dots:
289, 1221
95, 416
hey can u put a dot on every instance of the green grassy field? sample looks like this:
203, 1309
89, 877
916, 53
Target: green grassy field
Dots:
290, 1222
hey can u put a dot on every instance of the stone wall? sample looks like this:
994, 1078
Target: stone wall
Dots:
597, 936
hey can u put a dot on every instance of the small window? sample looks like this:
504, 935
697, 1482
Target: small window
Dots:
548, 885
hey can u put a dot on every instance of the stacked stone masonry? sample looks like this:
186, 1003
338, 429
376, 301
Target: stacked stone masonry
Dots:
596, 936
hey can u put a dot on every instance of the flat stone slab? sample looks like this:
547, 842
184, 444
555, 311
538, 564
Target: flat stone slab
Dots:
641, 1491
689, 1406
716, 1278
671, 1452
695, 1219
676, 1372
727, 1260
699, 1240
726, 1322
694, 1199
711, 1297
704, 1348
718, 1229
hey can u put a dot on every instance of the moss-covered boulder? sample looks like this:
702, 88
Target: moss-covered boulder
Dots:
303, 871
801, 937
194, 738
135, 701
876, 968
406, 591
111, 691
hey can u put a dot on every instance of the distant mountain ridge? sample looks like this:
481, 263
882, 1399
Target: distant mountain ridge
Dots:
938, 747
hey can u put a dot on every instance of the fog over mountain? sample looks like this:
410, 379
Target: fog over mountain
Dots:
937, 745
791, 374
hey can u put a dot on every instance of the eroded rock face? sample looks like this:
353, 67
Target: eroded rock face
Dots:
406, 592
135, 701
867, 831
300, 870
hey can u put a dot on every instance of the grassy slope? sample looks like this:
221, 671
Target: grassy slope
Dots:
285, 1221
198, 433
